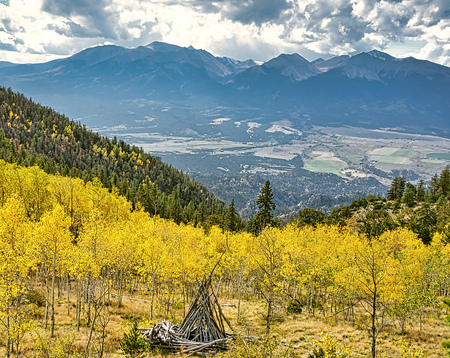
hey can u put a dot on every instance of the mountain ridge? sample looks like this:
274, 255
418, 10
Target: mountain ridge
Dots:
218, 117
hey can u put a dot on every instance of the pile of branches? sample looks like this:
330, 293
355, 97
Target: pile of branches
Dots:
202, 330
165, 335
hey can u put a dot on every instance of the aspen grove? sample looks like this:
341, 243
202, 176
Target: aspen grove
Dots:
62, 237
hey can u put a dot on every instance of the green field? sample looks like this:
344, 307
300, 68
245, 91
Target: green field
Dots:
444, 156
392, 156
325, 166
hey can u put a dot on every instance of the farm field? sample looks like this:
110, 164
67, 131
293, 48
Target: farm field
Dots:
360, 151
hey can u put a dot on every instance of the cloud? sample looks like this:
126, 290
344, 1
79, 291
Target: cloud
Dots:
258, 29
255, 11
72, 29
93, 14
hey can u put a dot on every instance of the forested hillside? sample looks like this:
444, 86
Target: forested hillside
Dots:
76, 292
31, 134
422, 208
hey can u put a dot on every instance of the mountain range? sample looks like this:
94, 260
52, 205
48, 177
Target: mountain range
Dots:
217, 117
370, 87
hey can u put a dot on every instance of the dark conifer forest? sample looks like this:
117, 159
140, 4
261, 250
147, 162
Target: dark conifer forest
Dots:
32, 134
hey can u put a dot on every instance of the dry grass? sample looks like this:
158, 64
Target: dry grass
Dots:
298, 330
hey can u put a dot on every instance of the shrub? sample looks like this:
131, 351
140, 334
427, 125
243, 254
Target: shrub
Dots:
328, 347
294, 307
132, 343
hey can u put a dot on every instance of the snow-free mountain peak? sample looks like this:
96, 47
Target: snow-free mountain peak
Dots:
94, 55
163, 47
380, 55
291, 66
326, 65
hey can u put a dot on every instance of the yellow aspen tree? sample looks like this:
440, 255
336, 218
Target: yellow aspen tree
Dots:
14, 267
439, 263
268, 257
239, 264
53, 240
72, 195
153, 253
415, 291
376, 276
36, 191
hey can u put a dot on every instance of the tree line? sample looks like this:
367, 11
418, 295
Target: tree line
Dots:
422, 208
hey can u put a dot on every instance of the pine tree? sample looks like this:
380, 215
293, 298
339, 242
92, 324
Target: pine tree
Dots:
265, 203
409, 196
132, 344
231, 218
310, 216
175, 210
444, 181
433, 188
397, 188
420, 191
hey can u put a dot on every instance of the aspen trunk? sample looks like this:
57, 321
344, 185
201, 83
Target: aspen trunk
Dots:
78, 308
239, 300
52, 307
68, 295
46, 302
153, 297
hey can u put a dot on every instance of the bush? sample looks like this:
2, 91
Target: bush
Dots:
57, 347
294, 307
132, 343
36, 297
328, 347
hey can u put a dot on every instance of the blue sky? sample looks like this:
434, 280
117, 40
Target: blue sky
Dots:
40, 30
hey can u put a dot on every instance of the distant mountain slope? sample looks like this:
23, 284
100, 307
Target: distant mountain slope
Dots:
370, 88
113, 71
284, 69
31, 134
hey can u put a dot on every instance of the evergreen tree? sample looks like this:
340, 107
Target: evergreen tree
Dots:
397, 188
420, 191
423, 222
231, 218
175, 210
433, 188
409, 195
265, 203
444, 181
201, 215
132, 344
310, 216
189, 213
375, 222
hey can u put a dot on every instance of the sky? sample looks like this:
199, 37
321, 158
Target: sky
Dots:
42, 30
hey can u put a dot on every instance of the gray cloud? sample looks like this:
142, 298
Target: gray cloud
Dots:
255, 11
242, 11
7, 25
7, 47
95, 14
72, 29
